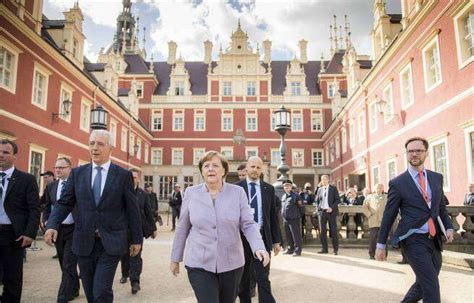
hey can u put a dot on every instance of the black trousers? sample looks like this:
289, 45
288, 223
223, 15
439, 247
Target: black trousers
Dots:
175, 211
331, 219
97, 274
11, 260
293, 235
212, 287
68, 263
262, 277
132, 267
424, 257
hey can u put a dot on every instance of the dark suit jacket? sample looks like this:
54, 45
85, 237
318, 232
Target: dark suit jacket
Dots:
22, 204
333, 199
404, 195
271, 228
116, 212
309, 200
49, 198
153, 200
146, 214
291, 206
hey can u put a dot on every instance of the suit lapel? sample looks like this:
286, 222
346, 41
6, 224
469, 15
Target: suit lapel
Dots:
414, 188
12, 182
433, 186
108, 182
88, 172
244, 185
54, 191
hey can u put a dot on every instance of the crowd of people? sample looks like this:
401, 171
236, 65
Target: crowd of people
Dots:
97, 215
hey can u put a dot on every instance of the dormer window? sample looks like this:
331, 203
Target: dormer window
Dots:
331, 91
296, 88
74, 48
117, 66
179, 88
139, 91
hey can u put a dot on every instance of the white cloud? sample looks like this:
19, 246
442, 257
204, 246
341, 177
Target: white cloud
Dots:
89, 53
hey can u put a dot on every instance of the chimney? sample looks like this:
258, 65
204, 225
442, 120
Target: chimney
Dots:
303, 55
267, 51
172, 52
207, 52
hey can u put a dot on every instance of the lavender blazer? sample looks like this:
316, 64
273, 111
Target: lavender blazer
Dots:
211, 234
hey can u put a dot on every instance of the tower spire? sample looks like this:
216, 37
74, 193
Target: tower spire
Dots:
331, 39
323, 67
347, 32
336, 44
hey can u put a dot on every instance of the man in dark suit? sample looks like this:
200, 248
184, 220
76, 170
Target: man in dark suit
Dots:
328, 200
132, 266
19, 219
69, 288
262, 201
291, 213
106, 208
153, 201
175, 202
418, 195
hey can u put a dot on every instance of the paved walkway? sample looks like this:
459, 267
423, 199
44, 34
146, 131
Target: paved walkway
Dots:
349, 277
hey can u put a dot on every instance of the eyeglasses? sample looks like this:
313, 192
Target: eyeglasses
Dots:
61, 167
416, 151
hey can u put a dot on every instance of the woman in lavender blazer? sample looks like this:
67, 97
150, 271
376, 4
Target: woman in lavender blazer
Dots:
212, 215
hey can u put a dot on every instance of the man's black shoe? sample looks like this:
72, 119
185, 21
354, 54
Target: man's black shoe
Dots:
253, 292
288, 252
322, 252
55, 256
372, 258
335, 252
297, 254
123, 280
402, 262
135, 288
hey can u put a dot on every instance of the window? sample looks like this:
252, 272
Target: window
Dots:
148, 180
65, 94
439, 160
147, 152
332, 151
139, 150
338, 151
316, 121
139, 90
199, 120
464, 29
361, 125
227, 87
344, 140
317, 157
251, 152
351, 133
275, 157
131, 143
8, 65
296, 88
373, 117
227, 120
85, 115
197, 155
338, 185
469, 142
251, 88
391, 169
331, 90
326, 155
156, 156
40, 86
188, 182
388, 97
157, 121
166, 186
227, 152
406, 87
297, 157
113, 131
251, 120
178, 120
123, 140
37, 156
431, 64
273, 121
179, 88
117, 66
346, 183
375, 176
177, 156
297, 121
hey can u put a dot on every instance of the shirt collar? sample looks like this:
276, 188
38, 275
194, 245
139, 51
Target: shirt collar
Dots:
413, 172
105, 166
9, 172
251, 181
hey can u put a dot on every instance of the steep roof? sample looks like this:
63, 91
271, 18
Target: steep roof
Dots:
335, 65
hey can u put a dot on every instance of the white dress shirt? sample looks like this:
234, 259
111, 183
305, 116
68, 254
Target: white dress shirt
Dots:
324, 202
105, 171
259, 199
69, 219
3, 215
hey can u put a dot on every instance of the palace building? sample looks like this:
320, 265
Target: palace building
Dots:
350, 114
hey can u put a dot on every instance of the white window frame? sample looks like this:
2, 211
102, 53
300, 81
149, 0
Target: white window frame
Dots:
361, 126
346, 183
250, 149
85, 115
15, 52
173, 159
227, 88
326, 155
375, 182
178, 113
387, 95
275, 160
469, 158
147, 154
317, 115
113, 130
272, 121
159, 115
123, 139
331, 90
139, 151
140, 87
68, 90
157, 160
344, 140
199, 114
39, 69
197, 157
352, 133
411, 96
317, 150
131, 143
251, 114
251, 88
229, 150
338, 151
296, 88
179, 88
40, 150
373, 116
387, 167
432, 43
297, 114
443, 140
464, 58
227, 114
293, 157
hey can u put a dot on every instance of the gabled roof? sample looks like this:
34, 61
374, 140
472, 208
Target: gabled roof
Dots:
94, 67
135, 65
335, 64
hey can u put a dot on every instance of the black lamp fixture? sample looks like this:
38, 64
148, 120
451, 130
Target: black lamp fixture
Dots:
135, 149
99, 117
282, 125
65, 110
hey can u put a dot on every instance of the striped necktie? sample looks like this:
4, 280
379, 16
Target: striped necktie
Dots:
422, 183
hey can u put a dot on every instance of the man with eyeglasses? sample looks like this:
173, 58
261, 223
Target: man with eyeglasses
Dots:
69, 287
418, 195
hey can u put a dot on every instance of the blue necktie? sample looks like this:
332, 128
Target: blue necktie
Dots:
254, 202
96, 186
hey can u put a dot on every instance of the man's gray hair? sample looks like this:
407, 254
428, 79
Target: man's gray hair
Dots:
103, 132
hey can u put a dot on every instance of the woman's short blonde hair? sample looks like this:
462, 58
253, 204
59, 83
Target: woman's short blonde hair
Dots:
211, 154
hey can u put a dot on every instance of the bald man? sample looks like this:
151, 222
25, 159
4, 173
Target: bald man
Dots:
263, 203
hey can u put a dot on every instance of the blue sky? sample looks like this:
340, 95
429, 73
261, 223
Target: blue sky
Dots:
189, 23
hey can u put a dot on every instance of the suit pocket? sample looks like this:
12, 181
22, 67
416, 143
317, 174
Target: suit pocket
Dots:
195, 253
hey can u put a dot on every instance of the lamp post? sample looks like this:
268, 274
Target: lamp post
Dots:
282, 125
99, 117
